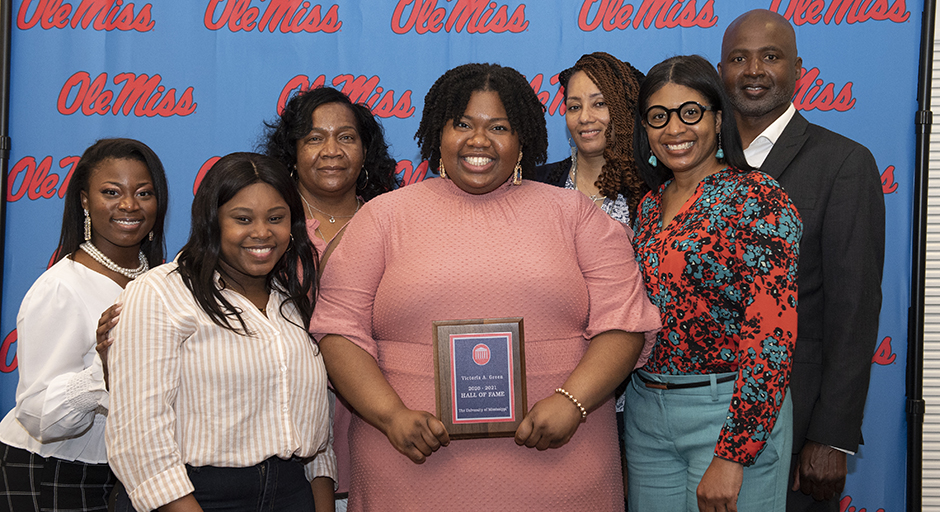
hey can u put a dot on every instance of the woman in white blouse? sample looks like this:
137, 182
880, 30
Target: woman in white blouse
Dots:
218, 393
53, 448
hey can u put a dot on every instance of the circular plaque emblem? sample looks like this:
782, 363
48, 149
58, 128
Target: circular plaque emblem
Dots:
481, 354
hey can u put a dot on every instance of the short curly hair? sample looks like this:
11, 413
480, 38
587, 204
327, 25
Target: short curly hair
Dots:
619, 82
448, 98
295, 122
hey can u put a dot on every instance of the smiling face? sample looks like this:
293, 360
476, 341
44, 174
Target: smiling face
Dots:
255, 233
681, 147
122, 204
759, 65
586, 115
479, 149
330, 157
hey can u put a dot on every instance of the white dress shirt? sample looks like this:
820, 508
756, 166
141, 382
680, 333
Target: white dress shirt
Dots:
187, 391
760, 147
61, 400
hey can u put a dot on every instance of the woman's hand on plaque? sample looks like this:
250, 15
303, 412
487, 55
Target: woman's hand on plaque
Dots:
549, 424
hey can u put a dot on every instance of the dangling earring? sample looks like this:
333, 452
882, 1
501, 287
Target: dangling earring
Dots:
517, 172
150, 236
720, 153
87, 226
366, 180
652, 160
440, 169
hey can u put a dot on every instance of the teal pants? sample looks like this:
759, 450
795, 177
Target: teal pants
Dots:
670, 437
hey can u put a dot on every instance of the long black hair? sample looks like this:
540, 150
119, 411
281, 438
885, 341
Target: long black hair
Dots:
696, 73
295, 122
294, 274
73, 216
447, 100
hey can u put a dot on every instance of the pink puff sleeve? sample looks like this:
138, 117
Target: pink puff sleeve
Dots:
617, 294
349, 283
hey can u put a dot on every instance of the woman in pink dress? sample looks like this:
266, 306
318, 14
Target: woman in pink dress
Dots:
483, 243
337, 152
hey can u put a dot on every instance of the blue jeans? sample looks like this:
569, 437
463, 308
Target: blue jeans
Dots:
670, 438
274, 484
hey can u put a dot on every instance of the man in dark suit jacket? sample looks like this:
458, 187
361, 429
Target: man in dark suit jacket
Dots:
835, 185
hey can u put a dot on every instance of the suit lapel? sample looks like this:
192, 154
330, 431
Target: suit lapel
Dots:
787, 147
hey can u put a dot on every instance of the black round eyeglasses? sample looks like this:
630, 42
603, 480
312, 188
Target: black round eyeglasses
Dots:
690, 113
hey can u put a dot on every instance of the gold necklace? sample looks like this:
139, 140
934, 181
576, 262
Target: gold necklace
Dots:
332, 217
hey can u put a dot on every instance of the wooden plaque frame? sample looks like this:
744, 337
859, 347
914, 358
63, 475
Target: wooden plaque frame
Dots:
446, 388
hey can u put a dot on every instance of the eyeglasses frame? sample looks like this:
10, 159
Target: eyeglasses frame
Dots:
669, 112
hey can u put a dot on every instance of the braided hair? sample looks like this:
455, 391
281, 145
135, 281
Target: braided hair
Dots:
619, 82
447, 101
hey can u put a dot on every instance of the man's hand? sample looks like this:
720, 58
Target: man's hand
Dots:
820, 471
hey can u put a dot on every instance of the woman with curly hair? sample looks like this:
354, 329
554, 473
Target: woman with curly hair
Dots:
483, 243
336, 151
600, 102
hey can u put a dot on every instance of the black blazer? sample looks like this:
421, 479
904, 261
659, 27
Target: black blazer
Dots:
836, 187
554, 173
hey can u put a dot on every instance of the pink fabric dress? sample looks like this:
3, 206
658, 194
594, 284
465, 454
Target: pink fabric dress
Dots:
429, 252
341, 413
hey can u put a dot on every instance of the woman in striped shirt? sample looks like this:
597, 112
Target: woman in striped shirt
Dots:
219, 394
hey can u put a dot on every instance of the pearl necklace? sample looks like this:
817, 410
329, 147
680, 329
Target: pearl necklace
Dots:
330, 215
130, 273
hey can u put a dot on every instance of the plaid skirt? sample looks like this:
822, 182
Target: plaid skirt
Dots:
32, 482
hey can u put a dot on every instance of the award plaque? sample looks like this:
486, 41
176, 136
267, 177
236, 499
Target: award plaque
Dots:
479, 370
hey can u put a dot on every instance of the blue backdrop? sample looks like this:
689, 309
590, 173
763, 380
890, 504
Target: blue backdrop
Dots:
195, 79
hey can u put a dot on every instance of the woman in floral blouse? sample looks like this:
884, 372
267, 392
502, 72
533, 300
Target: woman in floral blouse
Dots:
708, 419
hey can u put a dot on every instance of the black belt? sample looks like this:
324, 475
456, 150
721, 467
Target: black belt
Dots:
685, 385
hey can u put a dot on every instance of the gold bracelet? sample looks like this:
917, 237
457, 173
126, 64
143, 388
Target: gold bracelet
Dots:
574, 401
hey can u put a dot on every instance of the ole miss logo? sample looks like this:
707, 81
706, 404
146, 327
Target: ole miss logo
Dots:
481, 354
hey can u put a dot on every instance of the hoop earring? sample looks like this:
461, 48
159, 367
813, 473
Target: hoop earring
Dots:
440, 169
517, 172
366, 180
652, 160
720, 153
87, 226
293, 172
